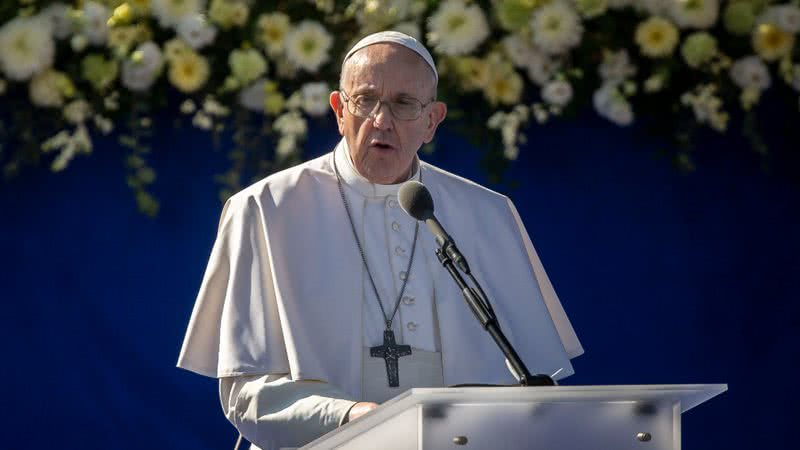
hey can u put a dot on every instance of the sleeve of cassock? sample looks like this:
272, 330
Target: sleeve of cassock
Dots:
272, 411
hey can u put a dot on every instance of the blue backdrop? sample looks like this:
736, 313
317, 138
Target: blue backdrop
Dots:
667, 278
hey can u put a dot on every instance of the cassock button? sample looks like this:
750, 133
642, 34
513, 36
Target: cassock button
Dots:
400, 250
403, 275
392, 203
412, 326
408, 300
395, 226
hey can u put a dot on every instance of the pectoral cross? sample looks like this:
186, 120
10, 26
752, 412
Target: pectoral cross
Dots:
390, 351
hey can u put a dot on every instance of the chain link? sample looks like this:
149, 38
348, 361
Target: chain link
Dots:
388, 320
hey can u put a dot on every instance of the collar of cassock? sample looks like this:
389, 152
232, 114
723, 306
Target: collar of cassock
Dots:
353, 179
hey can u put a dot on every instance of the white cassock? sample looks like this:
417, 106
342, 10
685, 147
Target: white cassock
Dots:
286, 314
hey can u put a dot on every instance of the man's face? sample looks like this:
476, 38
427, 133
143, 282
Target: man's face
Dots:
383, 147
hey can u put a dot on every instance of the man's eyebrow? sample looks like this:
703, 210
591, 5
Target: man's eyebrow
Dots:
364, 90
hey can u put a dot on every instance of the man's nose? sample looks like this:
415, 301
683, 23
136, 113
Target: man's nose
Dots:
382, 117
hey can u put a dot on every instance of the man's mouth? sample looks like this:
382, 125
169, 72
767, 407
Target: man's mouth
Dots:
380, 145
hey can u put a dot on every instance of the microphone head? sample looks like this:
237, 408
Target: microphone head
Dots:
416, 200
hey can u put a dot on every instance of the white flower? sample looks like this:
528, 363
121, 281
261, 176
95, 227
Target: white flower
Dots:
196, 31
141, 70
26, 47
58, 15
170, 12
202, 120
271, 31
94, 23
750, 72
611, 105
695, 13
188, 106
519, 50
556, 27
77, 111
214, 108
707, 106
457, 29
105, 125
291, 123
557, 93
616, 66
785, 17
44, 90
308, 45
69, 146
253, 96
286, 146
541, 67
315, 98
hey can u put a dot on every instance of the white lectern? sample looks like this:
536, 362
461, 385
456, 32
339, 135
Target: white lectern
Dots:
547, 418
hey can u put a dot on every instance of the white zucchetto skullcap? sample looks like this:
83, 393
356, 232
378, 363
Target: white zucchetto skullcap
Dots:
395, 37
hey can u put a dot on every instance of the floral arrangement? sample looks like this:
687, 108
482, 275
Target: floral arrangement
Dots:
70, 72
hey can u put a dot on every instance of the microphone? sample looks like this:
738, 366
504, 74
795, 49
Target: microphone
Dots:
416, 201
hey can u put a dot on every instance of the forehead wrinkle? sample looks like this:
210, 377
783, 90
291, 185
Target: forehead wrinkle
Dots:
377, 57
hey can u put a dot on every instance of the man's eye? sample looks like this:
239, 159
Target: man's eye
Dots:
366, 100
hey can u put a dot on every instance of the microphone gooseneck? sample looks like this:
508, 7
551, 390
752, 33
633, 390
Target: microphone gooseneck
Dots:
417, 202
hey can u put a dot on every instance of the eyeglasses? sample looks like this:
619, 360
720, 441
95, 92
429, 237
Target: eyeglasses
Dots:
366, 105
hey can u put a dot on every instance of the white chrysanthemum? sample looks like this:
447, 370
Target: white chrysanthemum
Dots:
541, 67
196, 31
786, 17
750, 72
170, 12
58, 14
272, 29
143, 67
308, 45
44, 90
616, 66
315, 98
26, 47
556, 27
557, 93
611, 105
695, 13
518, 49
457, 29
94, 23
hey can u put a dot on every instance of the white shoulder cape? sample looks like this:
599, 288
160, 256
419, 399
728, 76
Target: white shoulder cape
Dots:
282, 290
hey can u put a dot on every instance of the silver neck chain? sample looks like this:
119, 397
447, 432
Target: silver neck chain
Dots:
387, 319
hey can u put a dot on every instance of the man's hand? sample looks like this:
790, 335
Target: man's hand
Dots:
359, 409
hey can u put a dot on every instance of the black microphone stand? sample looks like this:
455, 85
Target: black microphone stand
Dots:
482, 310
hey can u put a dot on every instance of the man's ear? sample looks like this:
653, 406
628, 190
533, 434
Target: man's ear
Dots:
337, 105
436, 116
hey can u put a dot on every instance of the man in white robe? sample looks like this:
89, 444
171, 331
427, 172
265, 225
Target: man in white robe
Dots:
289, 305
